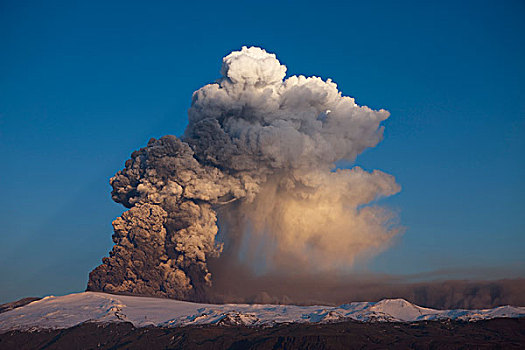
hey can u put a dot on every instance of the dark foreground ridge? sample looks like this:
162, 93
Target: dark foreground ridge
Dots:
490, 334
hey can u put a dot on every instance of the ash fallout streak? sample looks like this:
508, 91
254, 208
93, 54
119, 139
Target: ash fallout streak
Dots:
258, 158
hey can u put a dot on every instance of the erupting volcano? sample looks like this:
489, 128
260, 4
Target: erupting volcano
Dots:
257, 159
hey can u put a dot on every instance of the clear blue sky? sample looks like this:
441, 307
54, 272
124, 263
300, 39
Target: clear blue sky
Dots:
83, 84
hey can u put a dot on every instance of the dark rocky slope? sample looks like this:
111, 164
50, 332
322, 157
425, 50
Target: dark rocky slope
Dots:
19, 303
492, 334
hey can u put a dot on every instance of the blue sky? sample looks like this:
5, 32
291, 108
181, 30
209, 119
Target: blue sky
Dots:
83, 84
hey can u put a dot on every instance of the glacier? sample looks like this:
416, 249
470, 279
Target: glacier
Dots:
56, 312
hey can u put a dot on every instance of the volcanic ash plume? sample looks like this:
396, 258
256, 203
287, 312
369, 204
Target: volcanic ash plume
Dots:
257, 158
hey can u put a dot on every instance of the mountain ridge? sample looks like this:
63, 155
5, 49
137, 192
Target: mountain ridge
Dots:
73, 309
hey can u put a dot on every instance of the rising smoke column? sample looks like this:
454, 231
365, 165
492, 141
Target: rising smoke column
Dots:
258, 155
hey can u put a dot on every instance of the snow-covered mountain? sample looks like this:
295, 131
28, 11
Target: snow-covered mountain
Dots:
73, 309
